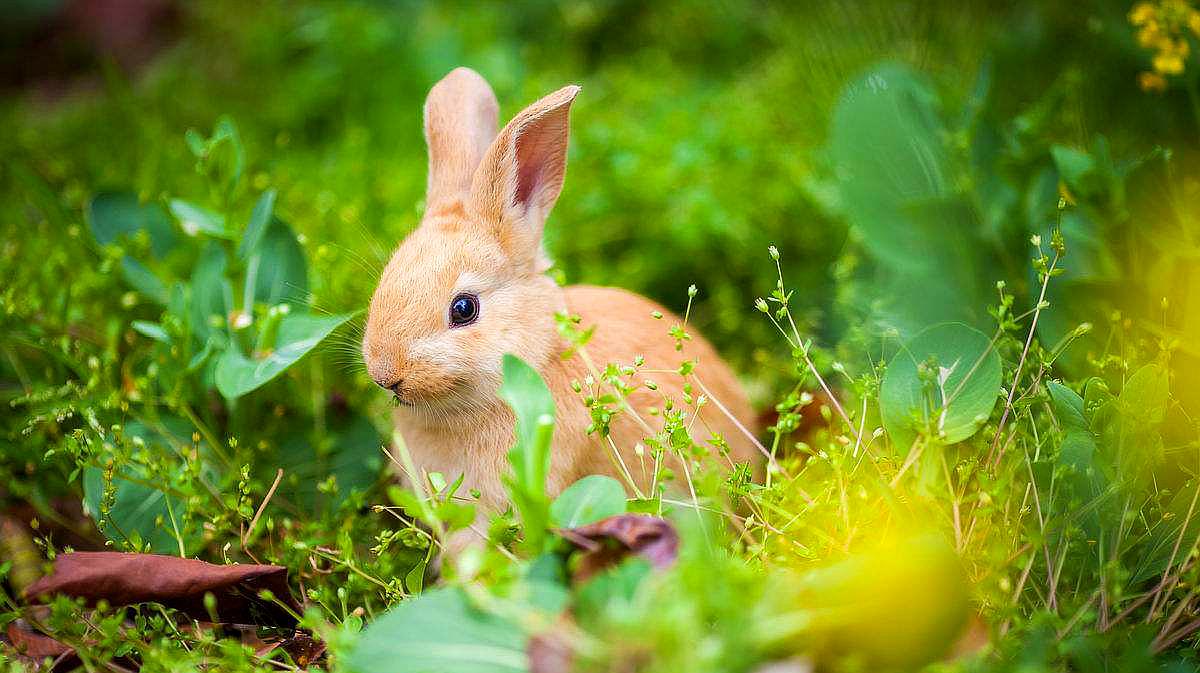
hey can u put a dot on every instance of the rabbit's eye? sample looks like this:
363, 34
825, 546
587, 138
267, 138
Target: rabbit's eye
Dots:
464, 310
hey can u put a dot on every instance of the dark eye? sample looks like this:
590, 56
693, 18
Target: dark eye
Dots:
464, 310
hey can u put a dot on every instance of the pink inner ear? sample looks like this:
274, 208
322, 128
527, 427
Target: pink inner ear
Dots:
529, 174
531, 162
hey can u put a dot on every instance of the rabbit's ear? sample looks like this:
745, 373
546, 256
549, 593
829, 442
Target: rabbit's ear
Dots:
522, 173
460, 124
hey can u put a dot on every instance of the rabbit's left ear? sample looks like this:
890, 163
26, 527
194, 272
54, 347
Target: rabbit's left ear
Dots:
460, 124
521, 175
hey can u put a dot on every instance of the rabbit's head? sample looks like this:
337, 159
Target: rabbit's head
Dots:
469, 284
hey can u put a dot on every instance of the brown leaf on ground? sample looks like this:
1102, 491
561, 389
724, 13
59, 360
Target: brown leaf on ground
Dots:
34, 648
550, 651
125, 579
607, 542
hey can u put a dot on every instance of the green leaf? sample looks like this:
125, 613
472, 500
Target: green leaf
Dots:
281, 275
151, 329
111, 215
889, 152
237, 374
143, 280
886, 141
531, 402
440, 632
533, 406
956, 398
196, 220
1146, 394
1076, 168
1068, 406
590, 499
211, 292
259, 219
1079, 455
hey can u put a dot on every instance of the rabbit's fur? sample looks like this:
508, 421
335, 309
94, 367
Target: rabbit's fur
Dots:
487, 200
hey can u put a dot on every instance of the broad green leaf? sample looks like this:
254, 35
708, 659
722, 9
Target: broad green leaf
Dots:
143, 280
111, 215
1078, 452
237, 374
1076, 168
1146, 394
530, 400
197, 220
961, 386
533, 406
886, 141
211, 291
281, 275
442, 632
1068, 406
888, 147
590, 499
196, 142
259, 219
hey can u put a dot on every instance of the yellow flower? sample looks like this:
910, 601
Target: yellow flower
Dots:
1150, 36
1141, 13
1168, 64
1162, 28
1152, 82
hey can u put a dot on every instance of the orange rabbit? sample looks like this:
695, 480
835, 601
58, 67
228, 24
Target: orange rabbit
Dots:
469, 285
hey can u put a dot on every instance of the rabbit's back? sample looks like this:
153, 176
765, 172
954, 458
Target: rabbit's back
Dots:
626, 328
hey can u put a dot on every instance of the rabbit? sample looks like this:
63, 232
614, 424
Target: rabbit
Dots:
469, 284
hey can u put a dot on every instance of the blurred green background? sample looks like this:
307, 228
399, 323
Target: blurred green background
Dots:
705, 132
904, 157
899, 155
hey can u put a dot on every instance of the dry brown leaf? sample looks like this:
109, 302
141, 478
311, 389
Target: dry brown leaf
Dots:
179, 583
607, 542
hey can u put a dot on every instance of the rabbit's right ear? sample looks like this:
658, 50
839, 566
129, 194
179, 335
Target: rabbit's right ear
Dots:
521, 176
460, 124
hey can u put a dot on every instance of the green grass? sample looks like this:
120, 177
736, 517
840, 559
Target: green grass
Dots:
982, 239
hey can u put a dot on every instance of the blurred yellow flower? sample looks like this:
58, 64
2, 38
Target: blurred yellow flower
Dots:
1152, 81
1163, 27
1141, 13
1168, 64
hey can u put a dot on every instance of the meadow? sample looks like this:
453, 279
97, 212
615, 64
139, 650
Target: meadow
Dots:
952, 251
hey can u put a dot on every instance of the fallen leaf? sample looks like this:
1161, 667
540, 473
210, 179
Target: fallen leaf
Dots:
607, 542
34, 646
550, 651
179, 583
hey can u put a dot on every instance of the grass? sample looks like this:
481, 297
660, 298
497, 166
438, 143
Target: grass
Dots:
973, 236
